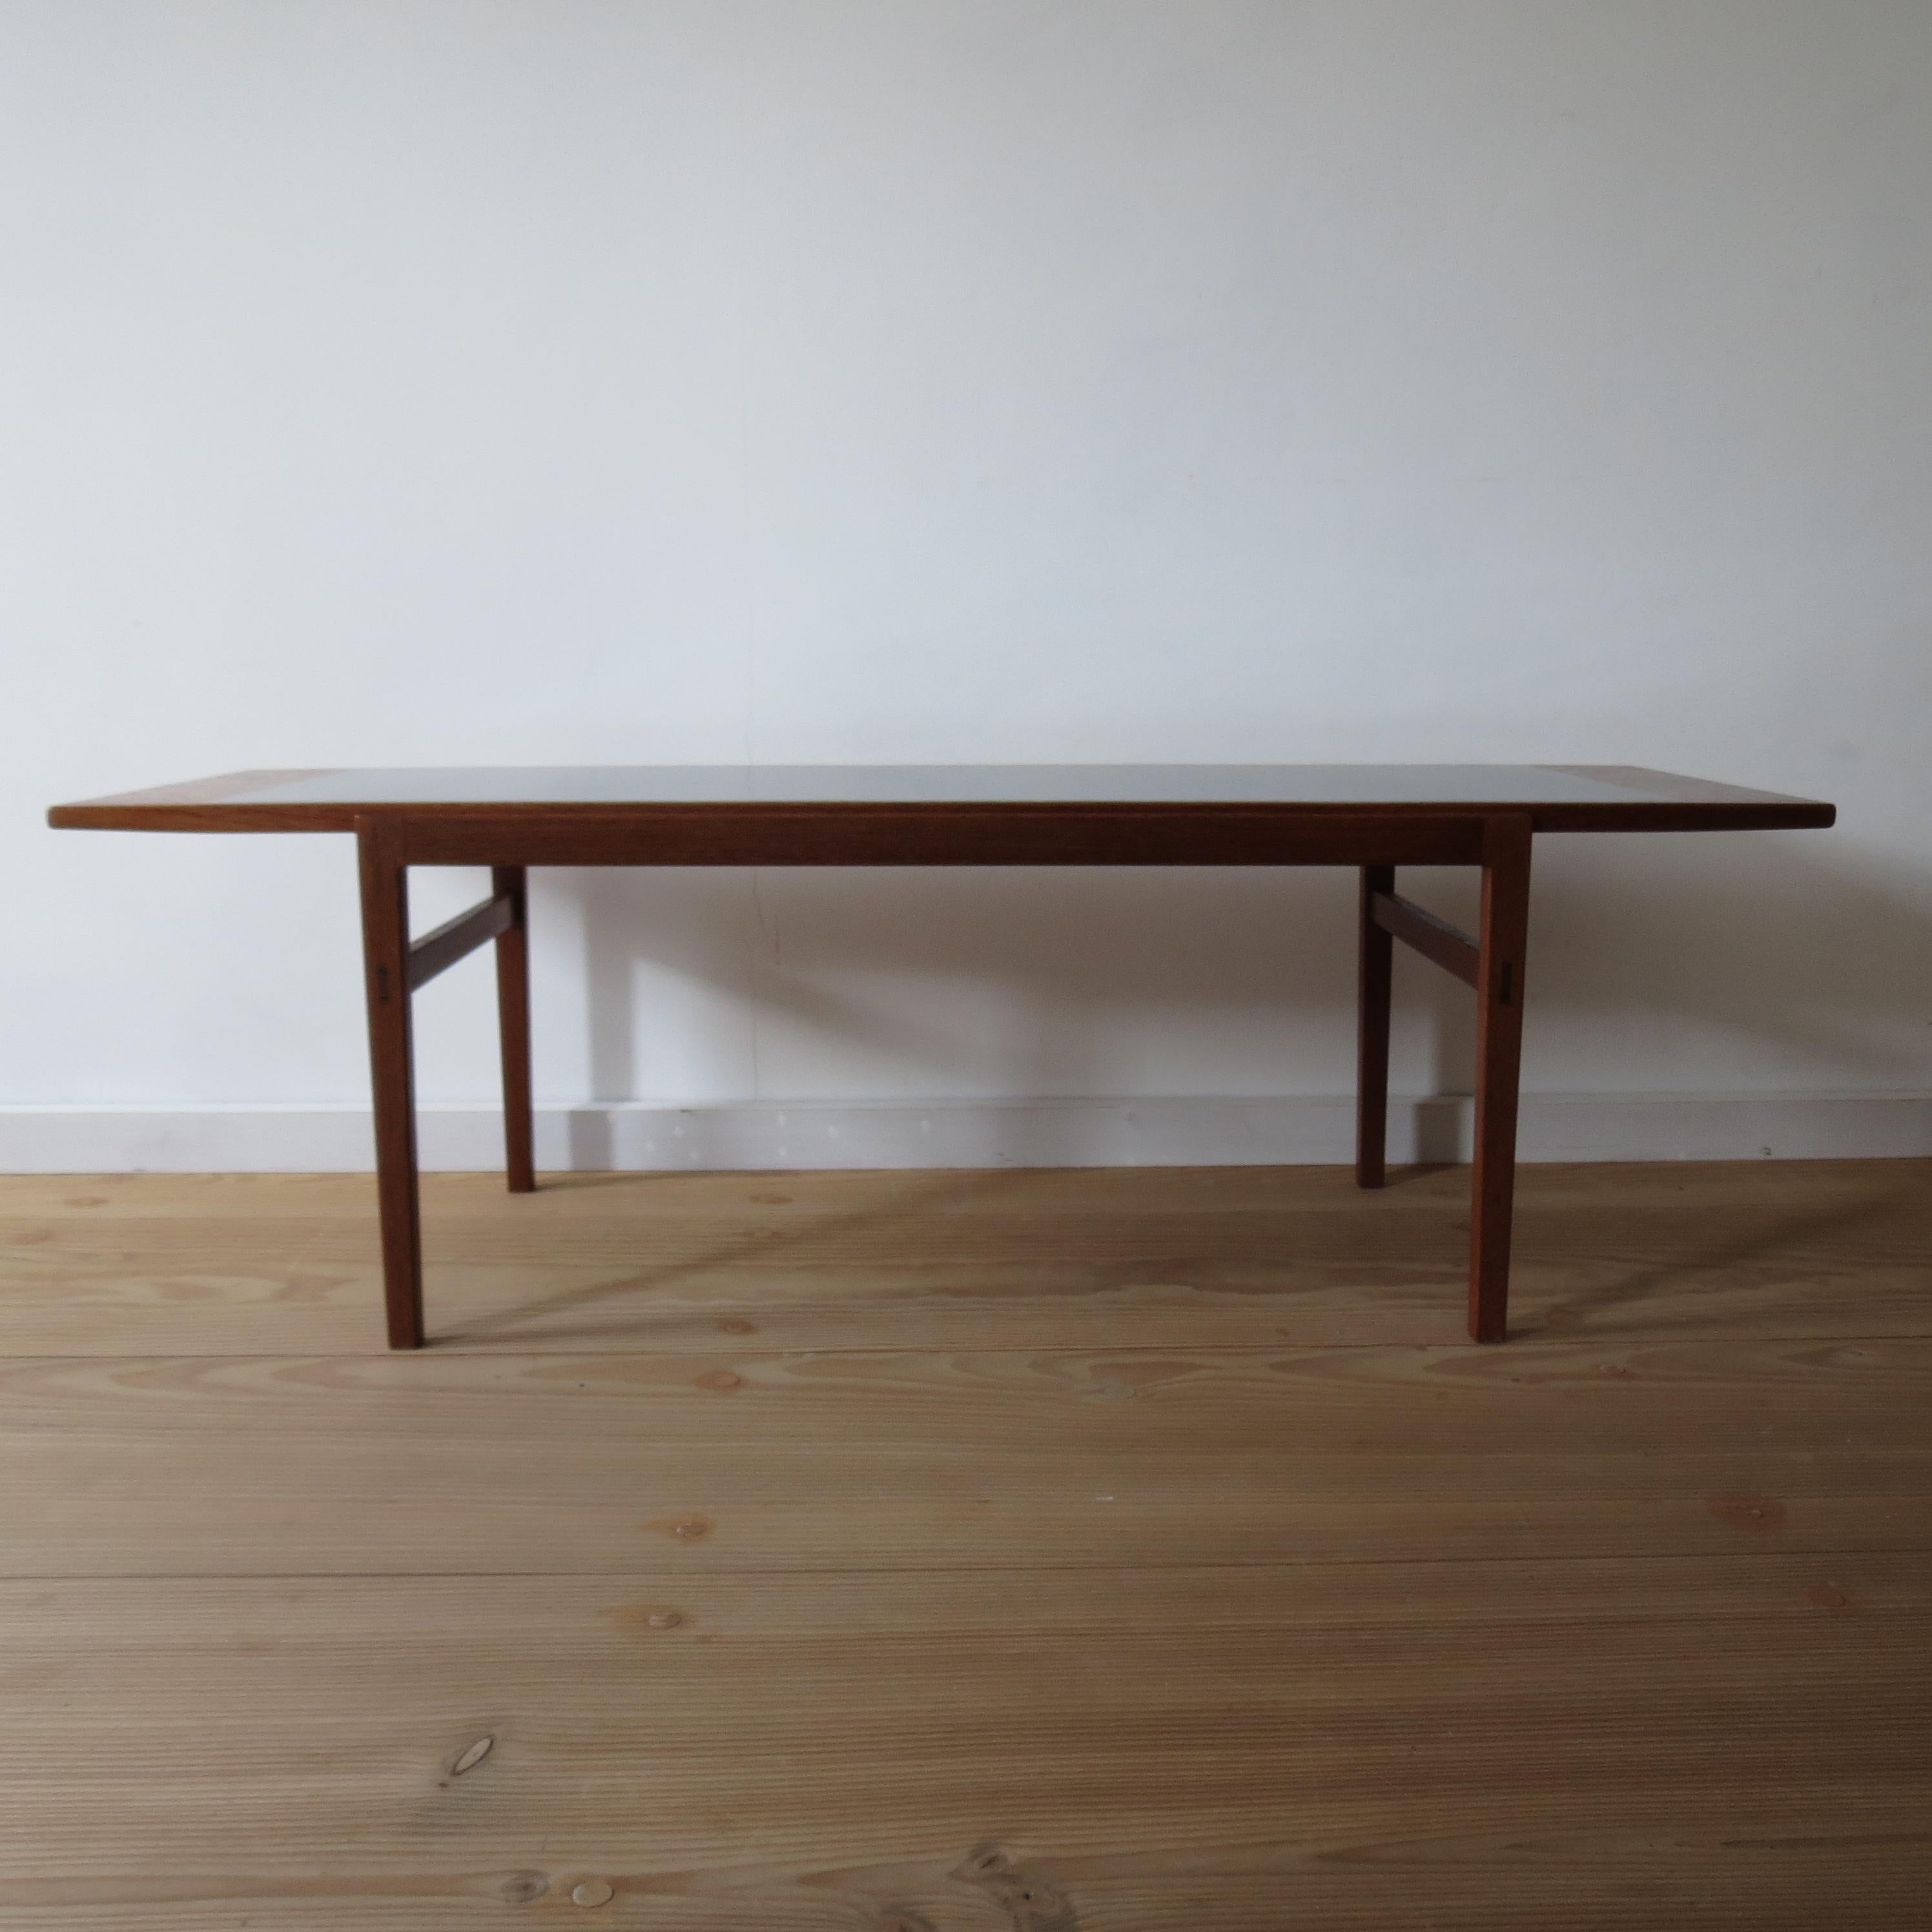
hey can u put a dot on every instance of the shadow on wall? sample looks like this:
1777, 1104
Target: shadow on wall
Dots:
1022, 982
1791, 951
1806, 950
916, 983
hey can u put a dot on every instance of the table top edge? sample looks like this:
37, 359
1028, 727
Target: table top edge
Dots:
224, 802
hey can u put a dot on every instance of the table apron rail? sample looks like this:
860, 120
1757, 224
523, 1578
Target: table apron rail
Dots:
1059, 838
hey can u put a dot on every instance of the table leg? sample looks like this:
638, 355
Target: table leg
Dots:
1372, 1038
513, 1015
385, 959
1504, 929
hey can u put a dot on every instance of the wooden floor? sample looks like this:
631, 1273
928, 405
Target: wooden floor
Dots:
1090, 1552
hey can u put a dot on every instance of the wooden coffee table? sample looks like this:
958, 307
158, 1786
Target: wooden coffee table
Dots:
1374, 817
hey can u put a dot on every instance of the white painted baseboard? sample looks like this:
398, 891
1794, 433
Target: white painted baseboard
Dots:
1042, 1133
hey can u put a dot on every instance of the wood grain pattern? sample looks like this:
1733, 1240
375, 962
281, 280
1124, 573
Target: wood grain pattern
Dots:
577, 1464
986, 1552
1365, 1745
1218, 1257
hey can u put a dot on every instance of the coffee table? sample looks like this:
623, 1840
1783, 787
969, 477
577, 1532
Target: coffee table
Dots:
1375, 817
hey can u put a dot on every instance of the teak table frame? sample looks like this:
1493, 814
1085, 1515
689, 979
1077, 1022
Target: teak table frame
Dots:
1377, 838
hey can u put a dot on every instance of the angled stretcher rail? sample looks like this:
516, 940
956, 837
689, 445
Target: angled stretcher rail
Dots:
436, 951
1435, 939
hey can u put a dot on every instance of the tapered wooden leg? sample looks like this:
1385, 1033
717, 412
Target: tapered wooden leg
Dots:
386, 949
1372, 1038
1505, 926
513, 1014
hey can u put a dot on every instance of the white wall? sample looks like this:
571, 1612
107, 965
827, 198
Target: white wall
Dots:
440, 382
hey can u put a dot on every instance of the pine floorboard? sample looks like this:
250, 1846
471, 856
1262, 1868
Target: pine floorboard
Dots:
1092, 1551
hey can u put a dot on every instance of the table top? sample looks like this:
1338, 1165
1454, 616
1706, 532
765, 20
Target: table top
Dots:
1559, 798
